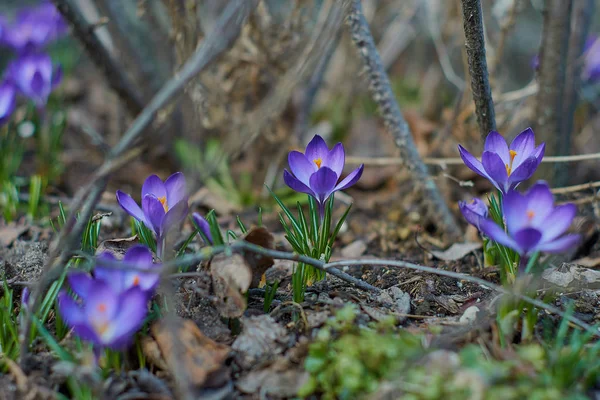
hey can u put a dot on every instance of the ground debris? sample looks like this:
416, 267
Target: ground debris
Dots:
262, 338
231, 278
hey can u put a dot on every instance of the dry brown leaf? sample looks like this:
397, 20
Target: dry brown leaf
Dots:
259, 263
117, 247
231, 277
261, 339
181, 348
274, 383
457, 251
11, 232
572, 275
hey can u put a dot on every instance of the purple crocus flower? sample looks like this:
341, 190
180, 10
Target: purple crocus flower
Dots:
203, 226
135, 270
164, 205
7, 101
318, 170
35, 76
506, 166
473, 211
105, 317
533, 223
34, 28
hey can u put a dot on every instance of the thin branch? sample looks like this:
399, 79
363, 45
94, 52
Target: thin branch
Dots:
480, 85
442, 162
114, 74
225, 32
552, 71
382, 94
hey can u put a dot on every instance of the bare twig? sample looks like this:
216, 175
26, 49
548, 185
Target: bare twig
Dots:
553, 60
442, 162
114, 74
480, 85
381, 92
583, 10
507, 25
226, 30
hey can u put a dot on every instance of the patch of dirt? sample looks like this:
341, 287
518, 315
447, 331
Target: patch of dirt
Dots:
23, 261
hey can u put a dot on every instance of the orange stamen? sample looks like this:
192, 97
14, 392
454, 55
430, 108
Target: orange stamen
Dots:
163, 201
102, 307
530, 214
508, 169
318, 161
513, 154
136, 281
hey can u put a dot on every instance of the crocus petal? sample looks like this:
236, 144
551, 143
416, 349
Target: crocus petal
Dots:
496, 170
514, 209
130, 317
86, 332
176, 188
102, 302
497, 234
203, 225
523, 171
560, 245
301, 167
316, 149
80, 283
523, 145
473, 211
296, 185
71, 312
473, 163
154, 212
528, 239
174, 216
351, 179
539, 152
558, 221
7, 101
154, 185
139, 256
130, 206
109, 271
540, 201
495, 143
323, 182
336, 159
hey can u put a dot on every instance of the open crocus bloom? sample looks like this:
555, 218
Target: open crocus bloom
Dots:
533, 223
203, 226
35, 76
318, 170
164, 204
506, 166
104, 317
473, 211
34, 27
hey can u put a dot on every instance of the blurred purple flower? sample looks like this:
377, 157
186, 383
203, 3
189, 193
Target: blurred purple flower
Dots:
591, 63
203, 226
318, 170
25, 298
34, 28
164, 205
7, 100
533, 223
506, 166
104, 316
34, 76
473, 211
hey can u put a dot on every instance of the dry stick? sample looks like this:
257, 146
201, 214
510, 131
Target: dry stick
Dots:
332, 268
553, 58
115, 75
381, 91
226, 31
507, 25
480, 85
583, 10
442, 162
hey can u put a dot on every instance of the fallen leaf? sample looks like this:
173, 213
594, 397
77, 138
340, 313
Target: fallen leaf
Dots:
261, 339
457, 251
178, 346
212, 200
117, 247
572, 275
589, 262
11, 232
259, 263
274, 383
231, 278
354, 249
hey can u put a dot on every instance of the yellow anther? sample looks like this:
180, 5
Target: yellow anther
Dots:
530, 214
508, 169
136, 280
318, 161
513, 154
102, 307
163, 201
